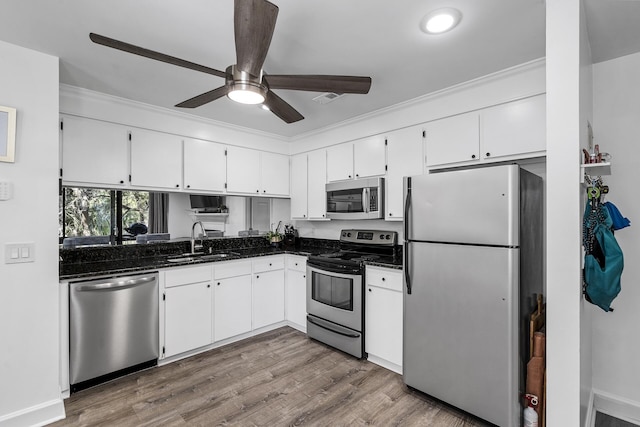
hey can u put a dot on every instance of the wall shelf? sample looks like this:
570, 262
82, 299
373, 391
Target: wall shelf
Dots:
594, 169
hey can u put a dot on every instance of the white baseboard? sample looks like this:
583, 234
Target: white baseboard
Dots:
38, 415
385, 364
616, 406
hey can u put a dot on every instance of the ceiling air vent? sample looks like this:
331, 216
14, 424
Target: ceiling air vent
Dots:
327, 97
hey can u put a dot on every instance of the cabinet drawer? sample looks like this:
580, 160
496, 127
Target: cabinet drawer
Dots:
384, 278
298, 263
182, 276
223, 270
268, 263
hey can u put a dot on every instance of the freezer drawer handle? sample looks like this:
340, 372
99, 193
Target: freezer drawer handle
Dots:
115, 285
332, 330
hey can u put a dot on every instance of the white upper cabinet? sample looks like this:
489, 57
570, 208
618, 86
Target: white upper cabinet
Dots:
453, 139
405, 158
340, 162
515, 128
205, 166
243, 170
94, 152
274, 174
316, 185
509, 131
299, 186
360, 159
254, 172
369, 157
156, 159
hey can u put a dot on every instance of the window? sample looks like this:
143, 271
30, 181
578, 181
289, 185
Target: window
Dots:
109, 214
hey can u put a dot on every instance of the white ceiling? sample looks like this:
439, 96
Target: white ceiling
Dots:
375, 38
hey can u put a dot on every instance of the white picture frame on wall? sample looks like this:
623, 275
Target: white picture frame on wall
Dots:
7, 134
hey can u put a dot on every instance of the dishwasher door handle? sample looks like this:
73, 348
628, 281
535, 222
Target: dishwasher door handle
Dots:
121, 284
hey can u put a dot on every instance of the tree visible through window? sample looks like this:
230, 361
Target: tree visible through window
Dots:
99, 212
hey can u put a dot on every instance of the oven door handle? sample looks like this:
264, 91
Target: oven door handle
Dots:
345, 334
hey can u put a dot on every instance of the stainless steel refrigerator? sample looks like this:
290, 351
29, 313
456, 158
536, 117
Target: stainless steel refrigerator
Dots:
473, 255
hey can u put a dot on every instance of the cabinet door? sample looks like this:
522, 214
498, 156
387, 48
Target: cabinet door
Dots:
453, 140
232, 308
297, 297
187, 317
274, 174
514, 128
340, 162
316, 186
268, 298
299, 186
94, 152
205, 165
369, 157
383, 320
156, 159
405, 158
243, 170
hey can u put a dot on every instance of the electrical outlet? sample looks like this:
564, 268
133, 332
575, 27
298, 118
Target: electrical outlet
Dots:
15, 253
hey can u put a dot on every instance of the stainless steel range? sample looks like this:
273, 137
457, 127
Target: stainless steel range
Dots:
335, 288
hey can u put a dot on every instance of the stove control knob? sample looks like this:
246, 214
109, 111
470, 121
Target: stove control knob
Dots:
344, 234
348, 234
388, 237
382, 237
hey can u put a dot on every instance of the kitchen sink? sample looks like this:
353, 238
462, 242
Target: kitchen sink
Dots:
201, 257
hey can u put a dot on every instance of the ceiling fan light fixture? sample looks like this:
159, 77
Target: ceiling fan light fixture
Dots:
440, 20
247, 93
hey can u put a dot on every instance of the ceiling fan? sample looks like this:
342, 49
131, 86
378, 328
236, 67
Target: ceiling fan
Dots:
246, 82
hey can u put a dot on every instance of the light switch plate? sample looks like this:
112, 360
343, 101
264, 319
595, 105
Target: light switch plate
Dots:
5, 190
15, 253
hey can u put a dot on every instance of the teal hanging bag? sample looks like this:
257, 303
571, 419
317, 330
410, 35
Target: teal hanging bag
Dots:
604, 261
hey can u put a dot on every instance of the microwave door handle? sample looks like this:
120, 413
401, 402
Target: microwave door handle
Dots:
365, 200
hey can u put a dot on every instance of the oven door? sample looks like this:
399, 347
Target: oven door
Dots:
335, 296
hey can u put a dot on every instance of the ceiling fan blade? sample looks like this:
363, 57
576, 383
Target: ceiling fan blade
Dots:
137, 50
204, 98
254, 22
282, 109
319, 83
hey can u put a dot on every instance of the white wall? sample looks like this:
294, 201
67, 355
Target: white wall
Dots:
29, 359
567, 106
616, 345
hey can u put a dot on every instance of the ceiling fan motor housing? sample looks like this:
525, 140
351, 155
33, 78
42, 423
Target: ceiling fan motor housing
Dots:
238, 80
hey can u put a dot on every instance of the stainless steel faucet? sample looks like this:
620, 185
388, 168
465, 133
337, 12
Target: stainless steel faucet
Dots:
193, 238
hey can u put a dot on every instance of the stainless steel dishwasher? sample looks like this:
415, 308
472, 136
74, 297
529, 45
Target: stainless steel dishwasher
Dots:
113, 328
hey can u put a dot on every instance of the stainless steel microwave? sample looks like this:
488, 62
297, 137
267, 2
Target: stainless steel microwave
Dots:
356, 199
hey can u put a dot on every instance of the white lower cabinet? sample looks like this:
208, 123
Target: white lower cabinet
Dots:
187, 309
268, 291
296, 291
232, 299
383, 317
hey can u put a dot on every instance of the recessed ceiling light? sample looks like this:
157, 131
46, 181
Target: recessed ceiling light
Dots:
440, 21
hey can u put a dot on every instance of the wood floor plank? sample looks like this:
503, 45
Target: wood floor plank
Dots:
280, 378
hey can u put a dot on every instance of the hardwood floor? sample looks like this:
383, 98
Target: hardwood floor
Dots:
280, 378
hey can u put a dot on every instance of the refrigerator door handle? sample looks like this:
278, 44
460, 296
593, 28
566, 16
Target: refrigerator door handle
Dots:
407, 275
407, 206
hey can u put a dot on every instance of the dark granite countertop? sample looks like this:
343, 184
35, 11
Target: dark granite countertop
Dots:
82, 263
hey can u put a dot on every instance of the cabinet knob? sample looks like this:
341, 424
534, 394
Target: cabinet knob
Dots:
264, 191
188, 186
218, 283
121, 182
257, 276
349, 176
369, 289
357, 175
322, 215
473, 156
304, 276
257, 191
208, 286
177, 185
488, 154
390, 214
383, 279
296, 264
270, 264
